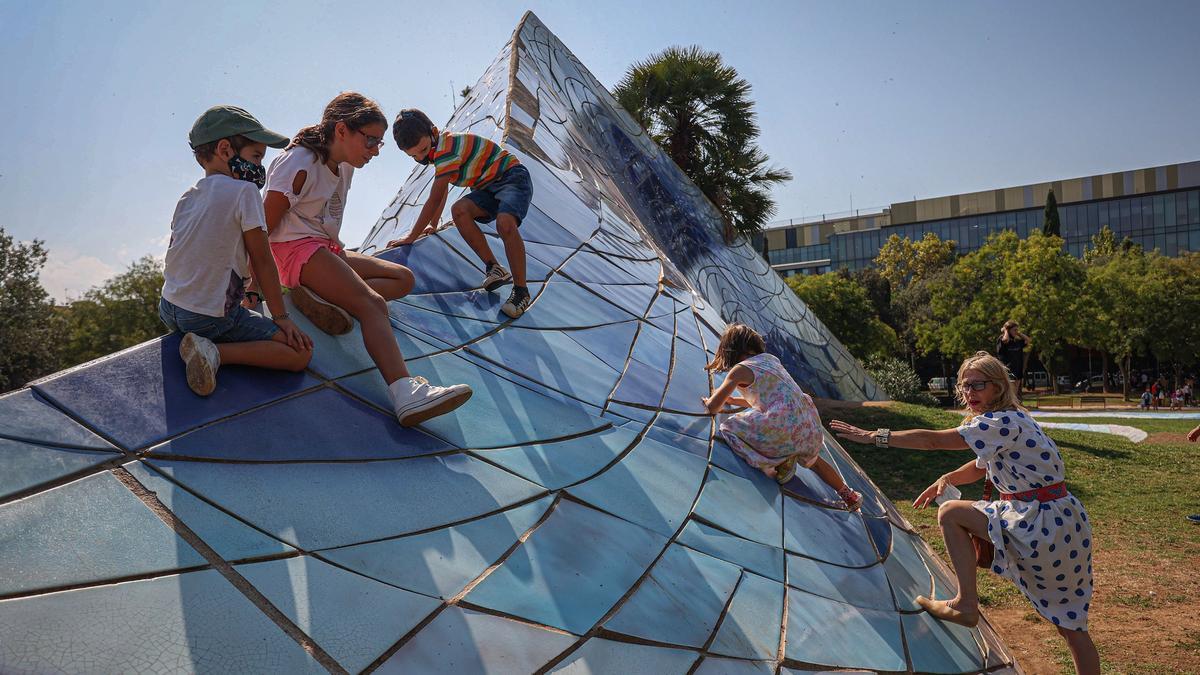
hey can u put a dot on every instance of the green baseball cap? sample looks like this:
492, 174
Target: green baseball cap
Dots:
223, 121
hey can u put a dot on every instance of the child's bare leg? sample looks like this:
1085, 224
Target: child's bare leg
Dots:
274, 353
464, 212
828, 474
333, 279
385, 278
514, 246
1083, 651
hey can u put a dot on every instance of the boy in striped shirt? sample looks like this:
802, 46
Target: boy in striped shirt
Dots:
500, 191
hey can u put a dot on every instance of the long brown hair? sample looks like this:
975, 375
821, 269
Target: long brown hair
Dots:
351, 107
1015, 333
737, 342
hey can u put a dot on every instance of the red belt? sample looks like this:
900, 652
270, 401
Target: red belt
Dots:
1043, 494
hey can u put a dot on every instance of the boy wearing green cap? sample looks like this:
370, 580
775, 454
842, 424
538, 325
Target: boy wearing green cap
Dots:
218, 223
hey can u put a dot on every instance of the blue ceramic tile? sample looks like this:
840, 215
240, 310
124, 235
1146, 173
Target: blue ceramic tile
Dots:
442, 562
880, 531
314, 505
826, 534
438, 268
752, 624
552, 359
475, 304
941, 647
945, 585
736, 505
87, 531
611, 343
698, 426
556, 465
289, 431
641, 384
680, 602
537, 227
653, 346
571, 570
353, 618
654, 486
689, 381
501, 413
625, 412
141, 396
463, 641
549, 255
598, 656
590, 269
229, 537
196, 622
686, 328
724, 457
451, 330
696, 446
566, 304
906, 570
855, 478
872, 637
762, 560
24, 417
713, 665
26, 465
337, 355
859, 586
633, 297
535, 269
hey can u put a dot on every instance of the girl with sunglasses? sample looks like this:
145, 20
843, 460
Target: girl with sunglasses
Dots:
307, 186
1040, 531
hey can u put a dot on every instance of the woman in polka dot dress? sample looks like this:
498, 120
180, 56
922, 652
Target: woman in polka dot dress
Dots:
1040, 530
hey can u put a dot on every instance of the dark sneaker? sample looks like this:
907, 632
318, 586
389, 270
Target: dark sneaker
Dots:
329, 318
414, 400
201, 361
517, 303
496, 277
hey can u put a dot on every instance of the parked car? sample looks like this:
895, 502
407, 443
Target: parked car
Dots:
1063, 380
939, 386
1092, 384
1037, 380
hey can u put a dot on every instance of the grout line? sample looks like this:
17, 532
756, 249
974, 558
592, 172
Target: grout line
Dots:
150, 499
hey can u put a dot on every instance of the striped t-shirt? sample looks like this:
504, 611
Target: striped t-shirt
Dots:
469, 160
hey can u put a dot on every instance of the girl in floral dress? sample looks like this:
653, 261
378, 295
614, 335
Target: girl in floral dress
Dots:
1040, 531
781, 427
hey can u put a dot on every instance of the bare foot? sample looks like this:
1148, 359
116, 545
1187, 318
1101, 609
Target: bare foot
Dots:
949, 611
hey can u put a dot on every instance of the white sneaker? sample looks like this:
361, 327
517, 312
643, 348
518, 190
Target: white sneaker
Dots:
496, 277
328, 317
201, 359
414, 400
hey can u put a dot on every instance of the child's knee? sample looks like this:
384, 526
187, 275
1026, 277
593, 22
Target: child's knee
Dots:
462, 209
300, 360
506, 225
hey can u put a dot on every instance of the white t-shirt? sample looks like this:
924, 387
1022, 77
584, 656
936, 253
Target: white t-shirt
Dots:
206, 261
317, 210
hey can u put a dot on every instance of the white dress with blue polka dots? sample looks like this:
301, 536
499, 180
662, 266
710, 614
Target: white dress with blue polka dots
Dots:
1043, 547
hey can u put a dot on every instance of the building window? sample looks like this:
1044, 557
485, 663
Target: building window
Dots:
790, 236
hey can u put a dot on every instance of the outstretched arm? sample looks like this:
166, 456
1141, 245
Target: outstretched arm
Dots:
913, 439
434, 205
738, 375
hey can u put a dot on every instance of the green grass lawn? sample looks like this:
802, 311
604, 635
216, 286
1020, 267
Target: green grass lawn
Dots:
1135, 494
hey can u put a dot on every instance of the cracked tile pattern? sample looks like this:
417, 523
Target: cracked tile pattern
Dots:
576, 515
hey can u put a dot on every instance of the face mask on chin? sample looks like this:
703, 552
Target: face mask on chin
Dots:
244, 169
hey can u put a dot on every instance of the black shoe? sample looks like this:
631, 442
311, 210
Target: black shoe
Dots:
517, 303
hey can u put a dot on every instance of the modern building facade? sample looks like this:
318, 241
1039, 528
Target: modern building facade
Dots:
1158, 208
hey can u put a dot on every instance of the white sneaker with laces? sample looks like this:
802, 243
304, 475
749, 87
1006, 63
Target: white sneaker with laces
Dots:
414, 400
201, 360
496, 277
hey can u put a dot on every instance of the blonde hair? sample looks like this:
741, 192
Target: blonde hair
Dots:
995, 372
737, 342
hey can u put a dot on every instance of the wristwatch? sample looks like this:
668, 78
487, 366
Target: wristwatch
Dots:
881, 437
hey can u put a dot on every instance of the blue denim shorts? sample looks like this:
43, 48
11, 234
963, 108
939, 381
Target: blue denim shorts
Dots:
240, 325
510, 193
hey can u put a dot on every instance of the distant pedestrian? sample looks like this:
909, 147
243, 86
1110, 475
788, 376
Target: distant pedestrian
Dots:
1012, 350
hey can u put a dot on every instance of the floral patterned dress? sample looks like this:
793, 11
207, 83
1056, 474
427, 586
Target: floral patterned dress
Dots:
781, 422
1043, 547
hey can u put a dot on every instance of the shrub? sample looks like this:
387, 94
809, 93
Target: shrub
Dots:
899, 380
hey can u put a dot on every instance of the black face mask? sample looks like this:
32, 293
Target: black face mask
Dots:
432, 145
243, 169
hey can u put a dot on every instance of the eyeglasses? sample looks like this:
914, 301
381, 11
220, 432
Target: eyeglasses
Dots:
972, 386
372, 141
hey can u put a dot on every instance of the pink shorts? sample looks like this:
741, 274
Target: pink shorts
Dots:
290, 256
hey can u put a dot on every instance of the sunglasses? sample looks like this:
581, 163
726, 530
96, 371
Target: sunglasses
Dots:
973, 386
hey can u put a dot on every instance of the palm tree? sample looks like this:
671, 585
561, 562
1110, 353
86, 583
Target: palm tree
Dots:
699, 111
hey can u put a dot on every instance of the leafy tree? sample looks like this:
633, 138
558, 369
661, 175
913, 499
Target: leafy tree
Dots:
1051, 226
698, 109
1044, 284
971, 301
1174, 305
902, 260
1117, 313
119, 313
31, 328
843, 306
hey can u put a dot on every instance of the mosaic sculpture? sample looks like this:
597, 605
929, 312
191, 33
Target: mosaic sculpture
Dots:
576, 515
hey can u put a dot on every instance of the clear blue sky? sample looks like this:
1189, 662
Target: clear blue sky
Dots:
880, 100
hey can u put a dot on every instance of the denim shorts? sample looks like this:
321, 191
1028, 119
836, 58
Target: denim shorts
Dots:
240, 325
510, 193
